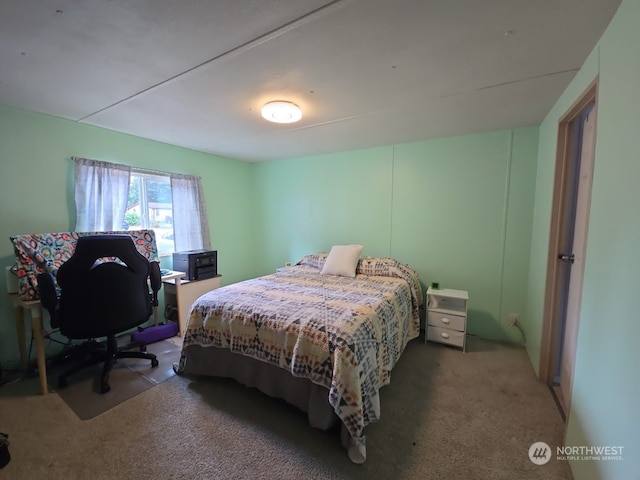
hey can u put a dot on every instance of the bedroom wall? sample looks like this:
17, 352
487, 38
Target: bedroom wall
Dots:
604, 409
458, 210
36, 191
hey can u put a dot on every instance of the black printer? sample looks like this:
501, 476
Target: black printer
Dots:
197, 264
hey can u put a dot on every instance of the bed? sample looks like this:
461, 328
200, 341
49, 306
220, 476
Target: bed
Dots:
324, 343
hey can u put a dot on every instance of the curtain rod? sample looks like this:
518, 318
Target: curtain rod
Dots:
140, 170
146, 170
156, 172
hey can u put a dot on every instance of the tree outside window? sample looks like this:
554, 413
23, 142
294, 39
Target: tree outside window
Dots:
150, 207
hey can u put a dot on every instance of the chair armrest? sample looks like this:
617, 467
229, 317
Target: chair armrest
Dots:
155, 280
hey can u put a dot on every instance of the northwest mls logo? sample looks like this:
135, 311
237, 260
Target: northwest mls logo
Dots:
539, 453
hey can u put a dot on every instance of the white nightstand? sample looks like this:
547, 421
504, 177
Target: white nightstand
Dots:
447, 316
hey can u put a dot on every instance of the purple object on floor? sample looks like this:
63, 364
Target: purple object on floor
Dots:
155, 333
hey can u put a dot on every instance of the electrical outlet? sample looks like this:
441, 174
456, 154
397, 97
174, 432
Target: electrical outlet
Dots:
513, 319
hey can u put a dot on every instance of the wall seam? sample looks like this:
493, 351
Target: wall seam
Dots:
393, 168
505, 215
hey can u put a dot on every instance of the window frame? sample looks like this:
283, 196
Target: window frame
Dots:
144, 177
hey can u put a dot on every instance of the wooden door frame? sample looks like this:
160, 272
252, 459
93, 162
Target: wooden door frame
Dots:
558, 218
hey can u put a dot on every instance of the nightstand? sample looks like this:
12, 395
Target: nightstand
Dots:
447, 316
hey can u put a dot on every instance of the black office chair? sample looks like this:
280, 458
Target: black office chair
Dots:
102, 299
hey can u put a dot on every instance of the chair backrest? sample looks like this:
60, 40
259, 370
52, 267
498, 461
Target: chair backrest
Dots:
104, 288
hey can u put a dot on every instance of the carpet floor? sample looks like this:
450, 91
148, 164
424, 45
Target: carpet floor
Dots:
445, 415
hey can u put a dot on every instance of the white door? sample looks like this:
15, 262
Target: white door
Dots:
576, 256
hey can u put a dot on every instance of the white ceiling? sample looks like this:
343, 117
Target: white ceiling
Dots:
366, 73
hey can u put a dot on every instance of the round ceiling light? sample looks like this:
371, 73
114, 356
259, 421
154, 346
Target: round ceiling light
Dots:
281, 112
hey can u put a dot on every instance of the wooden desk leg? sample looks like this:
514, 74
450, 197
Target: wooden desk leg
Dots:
19, 315
36, 320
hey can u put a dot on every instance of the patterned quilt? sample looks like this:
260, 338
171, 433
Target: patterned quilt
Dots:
345, 334
40, 252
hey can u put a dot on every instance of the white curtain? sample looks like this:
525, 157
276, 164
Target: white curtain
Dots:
101, 192
190, 223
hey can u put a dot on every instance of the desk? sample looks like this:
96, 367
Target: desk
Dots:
35, 310
182, 294
169, 275
33, 306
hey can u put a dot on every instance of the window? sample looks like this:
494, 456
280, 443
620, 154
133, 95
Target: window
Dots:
149, 206
110, 196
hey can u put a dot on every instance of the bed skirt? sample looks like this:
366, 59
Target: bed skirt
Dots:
273, 381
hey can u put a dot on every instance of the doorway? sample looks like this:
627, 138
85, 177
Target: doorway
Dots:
567, 245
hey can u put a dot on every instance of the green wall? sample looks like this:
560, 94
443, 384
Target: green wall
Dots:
604, 407
306, 205
459, 210
36, 191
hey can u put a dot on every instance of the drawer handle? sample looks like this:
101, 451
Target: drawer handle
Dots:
444, 335
446, 320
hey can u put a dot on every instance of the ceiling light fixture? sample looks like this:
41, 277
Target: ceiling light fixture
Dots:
281, 112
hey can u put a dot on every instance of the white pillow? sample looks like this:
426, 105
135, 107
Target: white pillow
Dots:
342, 260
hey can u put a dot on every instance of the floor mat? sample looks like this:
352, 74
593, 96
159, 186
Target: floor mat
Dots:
129, 377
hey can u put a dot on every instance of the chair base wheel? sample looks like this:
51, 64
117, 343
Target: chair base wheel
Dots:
154, 363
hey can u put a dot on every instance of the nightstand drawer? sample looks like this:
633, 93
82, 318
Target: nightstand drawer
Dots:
444, 335
446, 320
439, 300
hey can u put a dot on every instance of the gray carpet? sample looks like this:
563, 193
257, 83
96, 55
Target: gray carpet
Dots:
445, 415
